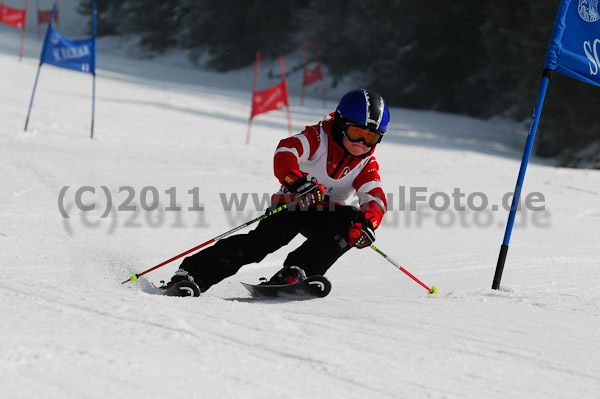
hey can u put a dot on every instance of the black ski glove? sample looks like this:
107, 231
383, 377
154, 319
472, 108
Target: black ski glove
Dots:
307, 192
362, 232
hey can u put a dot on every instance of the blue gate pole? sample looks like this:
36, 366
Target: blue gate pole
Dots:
32, 95
40, 66
517, 193
94, 73
93, 104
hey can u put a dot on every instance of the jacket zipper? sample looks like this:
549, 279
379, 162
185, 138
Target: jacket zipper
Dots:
338, 167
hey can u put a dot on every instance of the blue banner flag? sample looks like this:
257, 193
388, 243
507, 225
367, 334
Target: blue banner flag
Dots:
575, 43
574, 51
71, 54
79, 55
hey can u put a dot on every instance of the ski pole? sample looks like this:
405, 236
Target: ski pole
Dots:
134, 276
430, 291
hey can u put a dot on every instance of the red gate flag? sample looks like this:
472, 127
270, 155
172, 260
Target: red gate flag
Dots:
17, 18
44, 16
13, 17
270, 99
312, 75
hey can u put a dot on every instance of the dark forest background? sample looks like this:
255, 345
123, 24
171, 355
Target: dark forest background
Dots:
481, 58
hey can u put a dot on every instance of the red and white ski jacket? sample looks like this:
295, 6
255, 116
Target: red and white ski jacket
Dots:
315, 152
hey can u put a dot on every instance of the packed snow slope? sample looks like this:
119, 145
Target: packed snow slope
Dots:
70, 329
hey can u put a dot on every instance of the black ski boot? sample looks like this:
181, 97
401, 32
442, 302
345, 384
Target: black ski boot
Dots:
181, 284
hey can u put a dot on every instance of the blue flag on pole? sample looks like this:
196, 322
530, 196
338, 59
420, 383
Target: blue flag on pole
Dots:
575, 43
574, 51
71, 54
78, 55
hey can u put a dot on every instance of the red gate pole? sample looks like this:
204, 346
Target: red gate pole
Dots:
23, 31
304, 72
252, 100
37, 18
322, 80
287, 98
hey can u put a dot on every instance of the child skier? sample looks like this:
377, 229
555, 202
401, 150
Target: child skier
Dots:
319, 169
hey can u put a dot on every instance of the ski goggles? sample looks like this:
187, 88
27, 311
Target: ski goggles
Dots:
356, 133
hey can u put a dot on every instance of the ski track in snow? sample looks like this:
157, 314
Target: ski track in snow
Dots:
71, 329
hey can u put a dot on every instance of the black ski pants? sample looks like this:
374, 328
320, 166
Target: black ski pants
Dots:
326, 233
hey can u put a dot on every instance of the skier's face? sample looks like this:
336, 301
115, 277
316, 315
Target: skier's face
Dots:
356, 149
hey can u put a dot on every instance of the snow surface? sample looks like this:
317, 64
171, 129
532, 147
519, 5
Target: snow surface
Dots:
70, 329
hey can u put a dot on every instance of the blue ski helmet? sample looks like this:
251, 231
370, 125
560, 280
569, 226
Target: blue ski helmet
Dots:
366, 108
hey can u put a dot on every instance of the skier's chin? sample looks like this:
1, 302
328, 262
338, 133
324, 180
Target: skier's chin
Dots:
357, 149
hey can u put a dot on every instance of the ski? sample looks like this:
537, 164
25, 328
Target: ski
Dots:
312, 287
